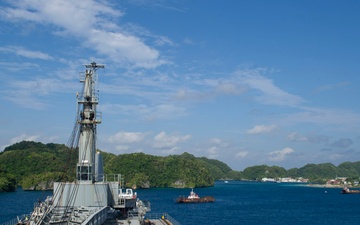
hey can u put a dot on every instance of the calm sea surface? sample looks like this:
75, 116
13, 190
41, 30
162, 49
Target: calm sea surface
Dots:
236, 203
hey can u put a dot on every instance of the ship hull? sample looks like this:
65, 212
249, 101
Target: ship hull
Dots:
348, 191
195, 200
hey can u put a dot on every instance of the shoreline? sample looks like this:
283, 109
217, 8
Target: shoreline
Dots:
326, 186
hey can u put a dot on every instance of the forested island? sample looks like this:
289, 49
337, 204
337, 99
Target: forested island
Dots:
36, 166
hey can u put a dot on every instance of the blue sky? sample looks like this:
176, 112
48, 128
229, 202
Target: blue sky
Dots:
244, 82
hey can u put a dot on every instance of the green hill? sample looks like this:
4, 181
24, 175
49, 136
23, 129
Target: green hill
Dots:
144, 170
35, 166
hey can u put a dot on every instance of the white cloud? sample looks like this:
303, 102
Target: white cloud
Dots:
192, 95
20, 98
277, 156
122, 148
18, 50
339, 117
215, 141
38, 86
26, 93
269, 93
228, 87
188, 41
145, 112
92, 23
213, 152
25, 137
216, 147
120, 47
241, 154
261, 129
328, 87
207, 89
295, 136
17, 66
170, 151
162, 140
72, 16
124, 137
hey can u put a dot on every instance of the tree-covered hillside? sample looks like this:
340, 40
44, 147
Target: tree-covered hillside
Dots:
317, 173
7, 180
144, 170
34, 166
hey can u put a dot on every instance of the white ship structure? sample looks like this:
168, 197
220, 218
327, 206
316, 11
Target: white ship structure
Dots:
94, 198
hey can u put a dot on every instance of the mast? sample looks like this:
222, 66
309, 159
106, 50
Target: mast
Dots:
88, 119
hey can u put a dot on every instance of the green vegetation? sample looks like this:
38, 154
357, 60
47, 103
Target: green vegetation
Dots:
36, 166
7, 181
259, 172
147, 170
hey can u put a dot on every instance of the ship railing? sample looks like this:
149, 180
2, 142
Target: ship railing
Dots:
18, 219
110, 178
114, 178
161, 216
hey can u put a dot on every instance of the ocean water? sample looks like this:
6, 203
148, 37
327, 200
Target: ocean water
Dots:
236, 203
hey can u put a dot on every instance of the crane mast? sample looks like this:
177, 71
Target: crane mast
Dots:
88, 118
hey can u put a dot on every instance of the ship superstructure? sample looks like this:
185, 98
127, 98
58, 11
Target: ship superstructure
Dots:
94, 198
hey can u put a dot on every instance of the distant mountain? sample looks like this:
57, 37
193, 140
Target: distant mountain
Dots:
317, 173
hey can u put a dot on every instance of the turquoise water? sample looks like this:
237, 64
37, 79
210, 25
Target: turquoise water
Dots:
236, 203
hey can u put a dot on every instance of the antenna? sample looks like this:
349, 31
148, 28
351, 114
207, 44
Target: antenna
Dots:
94, 65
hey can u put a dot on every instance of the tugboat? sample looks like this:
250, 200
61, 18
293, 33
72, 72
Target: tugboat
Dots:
194, 198
346, 190
94, 198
